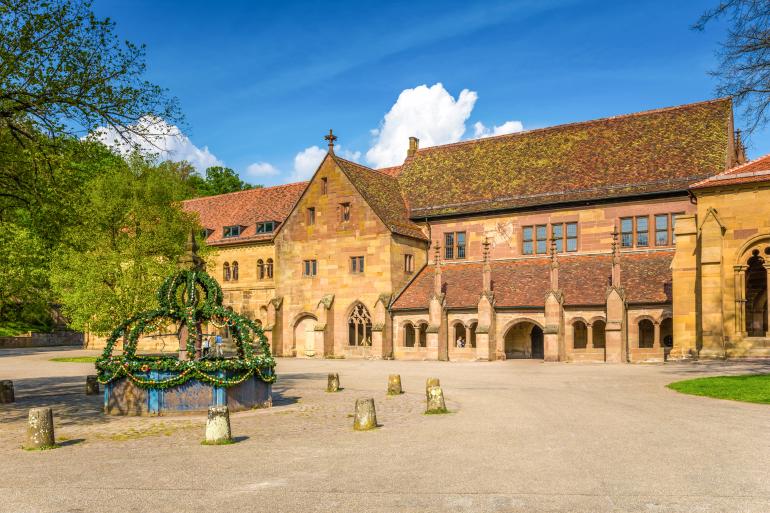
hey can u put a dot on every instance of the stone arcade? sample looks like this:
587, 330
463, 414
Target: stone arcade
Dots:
622, 239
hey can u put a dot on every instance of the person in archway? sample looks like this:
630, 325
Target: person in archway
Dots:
460, 341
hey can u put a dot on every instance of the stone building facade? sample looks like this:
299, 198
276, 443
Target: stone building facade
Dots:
613, 240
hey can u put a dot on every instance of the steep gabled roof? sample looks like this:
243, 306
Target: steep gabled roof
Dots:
244, 208
751, 172
657, 151
382, 193
645, 276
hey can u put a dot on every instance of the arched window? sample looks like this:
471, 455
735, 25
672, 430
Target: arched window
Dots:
472, 335
598, 328
580, 335
459, 335
422, 338
360, 327
260, 269
235, 271
756, 296
408, 335
269, 268
646, 333
226, 272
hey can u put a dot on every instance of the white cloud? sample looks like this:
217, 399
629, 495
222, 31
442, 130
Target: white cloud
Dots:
429, 113
161, 139
509, 127
306, 162
260, 169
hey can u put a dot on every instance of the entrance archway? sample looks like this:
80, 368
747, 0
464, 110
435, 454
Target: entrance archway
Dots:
303, 343
524, 340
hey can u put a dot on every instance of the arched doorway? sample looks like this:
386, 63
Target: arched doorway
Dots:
646, 333
579, 335
303, 343
408, 335
756, 296
524, 340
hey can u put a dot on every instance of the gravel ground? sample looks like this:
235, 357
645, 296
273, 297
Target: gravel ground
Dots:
522, 436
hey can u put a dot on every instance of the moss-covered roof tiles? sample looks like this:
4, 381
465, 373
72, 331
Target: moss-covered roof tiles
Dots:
657, 151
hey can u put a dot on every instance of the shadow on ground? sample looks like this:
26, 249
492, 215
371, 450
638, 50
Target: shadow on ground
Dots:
65, 394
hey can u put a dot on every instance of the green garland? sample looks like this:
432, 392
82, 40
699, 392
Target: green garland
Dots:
189, 297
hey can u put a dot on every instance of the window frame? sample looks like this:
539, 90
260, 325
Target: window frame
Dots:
637, 232
324, 185
544, 240
310, 216
455, 250
309, 268
227, 231
656, 231
632, 233
264, 225
357, 265
408, 263
345, 212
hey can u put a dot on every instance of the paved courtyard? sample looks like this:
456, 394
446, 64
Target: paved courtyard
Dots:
523, 436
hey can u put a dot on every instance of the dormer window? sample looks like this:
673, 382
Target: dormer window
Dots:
205, 233
266, 227
231, 231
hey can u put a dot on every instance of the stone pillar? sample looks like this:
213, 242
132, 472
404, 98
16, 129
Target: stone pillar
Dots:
740, 299
554, 314
382, 334
656, 336
333, 383
614, 338
40, 434
436, 400
711, 287
686, 321
218, 426
92, 385
590, 337
323, 335
365, 417
394, 384
7, 395
767, 273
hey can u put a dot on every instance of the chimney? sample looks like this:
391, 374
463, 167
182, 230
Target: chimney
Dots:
740, 149
437, 275
554, 267
486, 270
615, 259
414, 145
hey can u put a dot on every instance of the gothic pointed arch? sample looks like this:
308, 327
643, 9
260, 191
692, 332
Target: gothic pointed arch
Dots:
359, 326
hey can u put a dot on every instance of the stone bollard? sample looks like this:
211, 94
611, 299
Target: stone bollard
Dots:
40, 429
431, 382
333, 383
394, 384
366, 416
92, 385
436, 400
6, 392
218, 426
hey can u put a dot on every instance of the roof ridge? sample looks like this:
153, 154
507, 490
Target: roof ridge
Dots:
733, 172
253, 189
576, 123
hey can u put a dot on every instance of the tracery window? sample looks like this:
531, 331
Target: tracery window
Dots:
408, 335
235, 271
580, 335
226, 272
269, 268
360, 327
260, 269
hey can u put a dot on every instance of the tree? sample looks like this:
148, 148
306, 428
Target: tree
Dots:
744, 69
218, 180
132, 230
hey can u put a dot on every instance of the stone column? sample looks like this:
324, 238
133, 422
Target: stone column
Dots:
740, 299
590, 337
767, 272
684, 269
656, 336
712, 285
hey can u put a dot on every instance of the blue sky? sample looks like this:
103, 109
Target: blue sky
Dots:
260, 83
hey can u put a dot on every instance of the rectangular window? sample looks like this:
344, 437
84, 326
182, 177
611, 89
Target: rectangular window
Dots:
266, 227
324, 185
526, 241
344, 212
311, 216
673, 226
309, 268
408, 263
572, 237
460, 238
449, 246
231, 231
642, 231
357, 264
541, 239
557, 233
627, 232
454, 245
661, 230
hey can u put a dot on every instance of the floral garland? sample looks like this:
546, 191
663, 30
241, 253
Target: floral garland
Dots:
180, 302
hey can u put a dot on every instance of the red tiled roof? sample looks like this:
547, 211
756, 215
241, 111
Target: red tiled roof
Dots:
657, 151
390, 171
245, 208
382, 193
645, 276
751, 172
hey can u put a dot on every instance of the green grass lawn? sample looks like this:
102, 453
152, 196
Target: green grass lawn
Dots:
75, 359
751, 389
13, 328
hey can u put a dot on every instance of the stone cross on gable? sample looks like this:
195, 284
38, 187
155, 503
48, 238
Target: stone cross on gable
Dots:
331, 138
